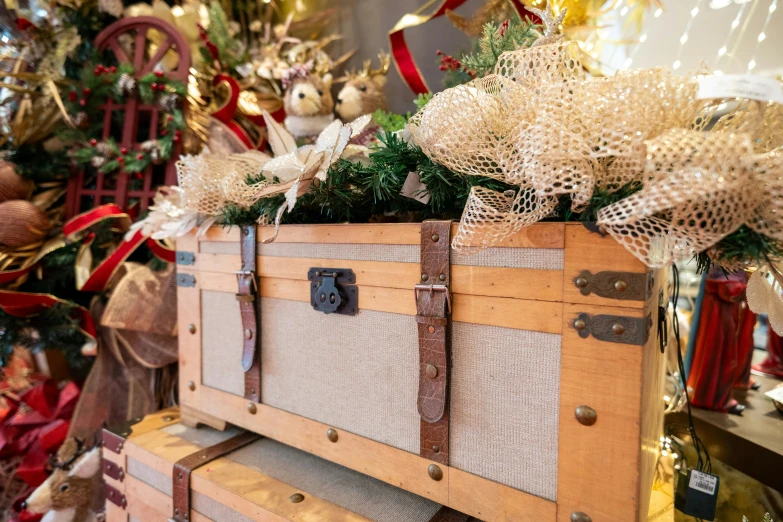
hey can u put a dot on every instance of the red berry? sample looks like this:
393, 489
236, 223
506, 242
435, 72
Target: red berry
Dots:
178, 133
139, 156
164, 132
154, 86
123, 150
72, 96
86, 91
170, 117
177, 139
159, 74
83, 102
93, 142
120, 160
112, 69
97, 71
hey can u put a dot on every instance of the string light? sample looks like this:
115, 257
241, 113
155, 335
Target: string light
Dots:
773, 6
658, 12
684, 38
734, 24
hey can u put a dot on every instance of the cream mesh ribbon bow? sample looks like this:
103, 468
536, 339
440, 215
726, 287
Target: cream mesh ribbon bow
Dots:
210, 182
539, 123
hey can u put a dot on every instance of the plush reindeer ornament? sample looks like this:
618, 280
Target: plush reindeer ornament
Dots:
307, 101
363, 91
68, 492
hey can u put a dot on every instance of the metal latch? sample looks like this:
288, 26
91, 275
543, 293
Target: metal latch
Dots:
623, 286
186, 280
333, 290
614, 328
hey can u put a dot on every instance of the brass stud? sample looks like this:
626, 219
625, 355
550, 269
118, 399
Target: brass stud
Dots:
251, 408
192, 328
179, 475
168, 418
435, 238
431, 329
124, 502
424, 277
578, 516
435, 472
121, 475
248, 334
442, 277
580, 282
191, 385
618, 329
296, 498
585, 415
620, 286
436, 449
431, 370
579, 324
331, 434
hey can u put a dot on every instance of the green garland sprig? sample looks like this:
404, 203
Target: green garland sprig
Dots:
103, 84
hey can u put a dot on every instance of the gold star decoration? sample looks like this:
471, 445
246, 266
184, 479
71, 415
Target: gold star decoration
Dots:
551, 25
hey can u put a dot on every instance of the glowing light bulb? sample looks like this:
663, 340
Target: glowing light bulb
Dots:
752, 65
735, 24
773, 7
676, 65
667, 398
718, 73
683, 38
694, 11
628, 62
722, 51
643, 38
664, 453
762, 36
658, 12
624, 11
675, 456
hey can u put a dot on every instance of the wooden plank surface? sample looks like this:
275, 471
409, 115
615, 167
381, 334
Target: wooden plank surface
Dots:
539, 235
147, 504
521, 283
539, 316
598, 465
587, 250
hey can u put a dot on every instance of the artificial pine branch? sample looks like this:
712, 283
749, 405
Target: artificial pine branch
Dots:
508, 36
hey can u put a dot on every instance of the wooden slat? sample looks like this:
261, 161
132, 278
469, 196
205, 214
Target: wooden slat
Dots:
115, 513
539, 316
598, 471
586, 250
540, 235
242, 489
148, 504
521, 283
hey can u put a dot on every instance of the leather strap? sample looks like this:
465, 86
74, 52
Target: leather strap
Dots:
446, 514
249, 310
433, 306
184, 466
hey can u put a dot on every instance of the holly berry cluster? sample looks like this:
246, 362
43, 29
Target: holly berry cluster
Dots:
102, 84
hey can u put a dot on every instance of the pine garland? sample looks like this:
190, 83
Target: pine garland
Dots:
508, 36
743, 245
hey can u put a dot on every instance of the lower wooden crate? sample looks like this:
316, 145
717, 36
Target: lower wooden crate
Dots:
263, 481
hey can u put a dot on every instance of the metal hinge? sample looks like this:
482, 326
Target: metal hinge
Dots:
114, 436
112, 470
623, 286
114, 496
186, 280
186, 258
614, 328
332, 290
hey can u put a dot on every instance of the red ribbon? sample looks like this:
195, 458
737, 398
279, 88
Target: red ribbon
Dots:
23, 304
403, 58
161, 251
227, 113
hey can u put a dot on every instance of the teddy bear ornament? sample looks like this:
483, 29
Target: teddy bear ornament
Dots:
363, 91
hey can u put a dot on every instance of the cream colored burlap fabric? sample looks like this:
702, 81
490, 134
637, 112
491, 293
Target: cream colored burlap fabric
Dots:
540, 124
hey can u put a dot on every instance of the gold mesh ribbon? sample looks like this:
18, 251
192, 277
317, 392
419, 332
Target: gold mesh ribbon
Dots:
700, 187
539, 123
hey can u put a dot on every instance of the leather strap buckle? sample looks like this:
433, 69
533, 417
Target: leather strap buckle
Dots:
247, 273
432, 288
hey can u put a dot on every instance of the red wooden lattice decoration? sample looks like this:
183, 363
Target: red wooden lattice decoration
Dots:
150, 41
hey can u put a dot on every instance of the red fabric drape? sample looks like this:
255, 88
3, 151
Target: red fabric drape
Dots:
716, 356
773, 363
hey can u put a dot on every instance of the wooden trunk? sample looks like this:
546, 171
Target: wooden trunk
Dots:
557, 320
263, 481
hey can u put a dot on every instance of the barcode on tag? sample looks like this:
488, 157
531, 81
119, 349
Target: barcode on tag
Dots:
750, 87
703, 482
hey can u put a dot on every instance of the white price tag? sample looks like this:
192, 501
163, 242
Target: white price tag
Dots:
413, 188
703, 482
761, 88
776, 394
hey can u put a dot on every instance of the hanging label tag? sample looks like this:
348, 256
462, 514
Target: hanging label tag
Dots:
761, 88
413, 188
697, 494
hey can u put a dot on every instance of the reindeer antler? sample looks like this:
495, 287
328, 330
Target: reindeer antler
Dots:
66, 464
